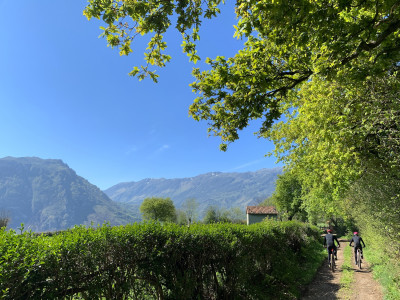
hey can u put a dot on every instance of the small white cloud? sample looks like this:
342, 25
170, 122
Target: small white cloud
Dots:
159, 151
131, 150
152, 132
250, 163
162, 149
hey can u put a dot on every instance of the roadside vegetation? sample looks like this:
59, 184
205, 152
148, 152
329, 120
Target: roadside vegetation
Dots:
161, 261
386, 270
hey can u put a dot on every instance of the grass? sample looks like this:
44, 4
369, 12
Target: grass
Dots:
387, 272
347, 278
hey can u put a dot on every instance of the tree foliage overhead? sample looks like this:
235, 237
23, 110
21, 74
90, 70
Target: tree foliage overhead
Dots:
285, 43
318, 62
127, 19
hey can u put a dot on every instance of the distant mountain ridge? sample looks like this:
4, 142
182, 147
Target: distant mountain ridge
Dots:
45, 195
219, 189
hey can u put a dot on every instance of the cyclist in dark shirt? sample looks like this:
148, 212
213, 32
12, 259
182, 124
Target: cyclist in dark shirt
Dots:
329, 243
357, 245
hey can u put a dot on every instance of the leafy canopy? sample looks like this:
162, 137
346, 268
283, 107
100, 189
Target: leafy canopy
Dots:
288, 196
127, 19
285, 43
338, 132
330, 66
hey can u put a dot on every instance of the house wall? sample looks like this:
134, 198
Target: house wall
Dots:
251, 219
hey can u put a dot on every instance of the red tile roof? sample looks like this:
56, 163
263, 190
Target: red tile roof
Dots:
261, 210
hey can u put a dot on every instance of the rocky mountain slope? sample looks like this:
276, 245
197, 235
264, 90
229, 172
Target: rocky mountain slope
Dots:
47, 195
224, 190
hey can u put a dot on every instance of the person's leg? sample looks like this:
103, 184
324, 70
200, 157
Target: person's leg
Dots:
335, 251
329, 248
329, 251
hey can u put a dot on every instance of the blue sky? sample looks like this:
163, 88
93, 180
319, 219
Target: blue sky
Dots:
65, 95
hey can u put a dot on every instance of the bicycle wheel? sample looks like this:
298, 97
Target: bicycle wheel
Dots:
332, 261
359, 258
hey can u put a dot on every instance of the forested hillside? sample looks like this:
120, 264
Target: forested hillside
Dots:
222, 190
47, 195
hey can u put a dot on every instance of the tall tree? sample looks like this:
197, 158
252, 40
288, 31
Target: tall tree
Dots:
4, 218
158, 209
190, 207
181, 217
219, 215
288, 196
236, 215
212, 215
337, 132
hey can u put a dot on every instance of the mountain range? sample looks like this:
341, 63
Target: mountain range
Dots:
47, 195
223, 190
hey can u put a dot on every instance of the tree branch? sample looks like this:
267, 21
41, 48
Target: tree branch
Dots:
364, 46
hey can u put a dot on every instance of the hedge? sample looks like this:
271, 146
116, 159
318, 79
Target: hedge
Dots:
160, 261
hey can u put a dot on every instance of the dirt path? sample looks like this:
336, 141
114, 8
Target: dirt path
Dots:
326, 284
366, 287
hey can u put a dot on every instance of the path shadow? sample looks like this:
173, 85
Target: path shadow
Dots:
365, 270
323, 286
362, 271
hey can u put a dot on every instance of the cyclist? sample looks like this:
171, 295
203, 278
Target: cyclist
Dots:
357, 245
329, 242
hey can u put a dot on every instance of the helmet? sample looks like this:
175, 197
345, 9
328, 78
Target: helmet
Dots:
328, 230
355, 232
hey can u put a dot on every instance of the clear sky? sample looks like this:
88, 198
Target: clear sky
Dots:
65, 95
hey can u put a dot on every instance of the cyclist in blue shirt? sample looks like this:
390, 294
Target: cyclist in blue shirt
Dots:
329, 243
357, 245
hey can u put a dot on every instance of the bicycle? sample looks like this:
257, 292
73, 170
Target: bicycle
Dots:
358, 258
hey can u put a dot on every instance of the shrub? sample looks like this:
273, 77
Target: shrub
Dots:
160, 261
